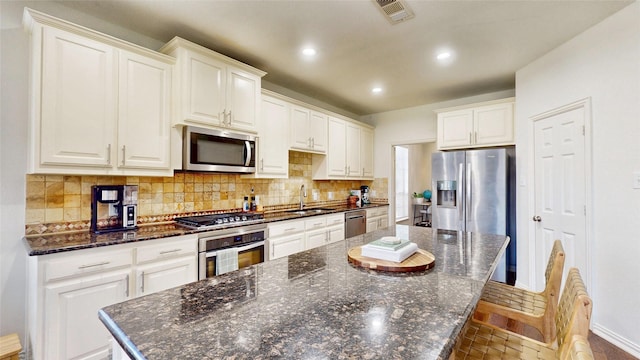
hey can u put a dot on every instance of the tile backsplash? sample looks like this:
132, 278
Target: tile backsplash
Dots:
58, 203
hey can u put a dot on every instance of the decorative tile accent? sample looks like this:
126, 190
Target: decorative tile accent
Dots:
57, 203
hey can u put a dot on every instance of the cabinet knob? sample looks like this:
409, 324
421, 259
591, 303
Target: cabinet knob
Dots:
537, 218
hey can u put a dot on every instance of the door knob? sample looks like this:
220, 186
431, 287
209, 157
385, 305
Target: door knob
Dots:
537, 218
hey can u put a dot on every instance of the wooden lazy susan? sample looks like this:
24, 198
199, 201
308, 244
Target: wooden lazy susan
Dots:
421, 260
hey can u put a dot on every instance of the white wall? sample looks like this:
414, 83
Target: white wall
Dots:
603, 64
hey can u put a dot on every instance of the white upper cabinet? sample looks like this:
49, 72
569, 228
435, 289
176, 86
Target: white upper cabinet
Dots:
308, 131
476, 125
349, 154
212, 89
273, 145
144, 87
366, 152
91, 97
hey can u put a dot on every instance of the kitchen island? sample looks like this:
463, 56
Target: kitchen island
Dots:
315, 304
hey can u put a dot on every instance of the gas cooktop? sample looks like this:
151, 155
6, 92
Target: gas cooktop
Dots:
219, 220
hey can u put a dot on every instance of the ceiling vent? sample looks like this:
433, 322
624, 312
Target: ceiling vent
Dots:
396, 11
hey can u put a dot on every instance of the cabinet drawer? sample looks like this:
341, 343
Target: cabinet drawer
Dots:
336, 219
87, 262
315, 222
159, 249
285, 228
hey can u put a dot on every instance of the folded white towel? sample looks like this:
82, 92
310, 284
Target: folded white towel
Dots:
226, 260
396, 256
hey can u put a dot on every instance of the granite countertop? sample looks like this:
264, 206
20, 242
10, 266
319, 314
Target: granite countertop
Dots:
315, 304
54, 243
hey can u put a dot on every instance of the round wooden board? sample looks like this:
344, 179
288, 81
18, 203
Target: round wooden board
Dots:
421, 260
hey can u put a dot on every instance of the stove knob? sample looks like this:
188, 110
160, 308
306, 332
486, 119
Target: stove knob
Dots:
225, 220
244, 218
238, 218
218, 221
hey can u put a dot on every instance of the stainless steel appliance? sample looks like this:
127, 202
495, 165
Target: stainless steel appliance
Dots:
113, 208
218, 151
355, 223
364, 192
474, 191
246, 232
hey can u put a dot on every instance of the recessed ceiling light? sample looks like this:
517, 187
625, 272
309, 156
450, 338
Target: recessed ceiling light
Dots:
309, 51
376, 90
444, 55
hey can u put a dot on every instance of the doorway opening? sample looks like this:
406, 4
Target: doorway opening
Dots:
402, 183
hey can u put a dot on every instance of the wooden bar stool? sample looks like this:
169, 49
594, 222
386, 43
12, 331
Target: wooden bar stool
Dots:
10, 347
527, 307
484, 341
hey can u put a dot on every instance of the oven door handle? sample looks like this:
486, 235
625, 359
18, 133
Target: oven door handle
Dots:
240, 249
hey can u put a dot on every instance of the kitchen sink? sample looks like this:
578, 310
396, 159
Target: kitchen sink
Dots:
309, 211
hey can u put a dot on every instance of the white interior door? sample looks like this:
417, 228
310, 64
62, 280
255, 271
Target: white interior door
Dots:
560, 200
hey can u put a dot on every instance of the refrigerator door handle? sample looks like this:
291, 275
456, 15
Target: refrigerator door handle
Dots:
460, 187
468, 193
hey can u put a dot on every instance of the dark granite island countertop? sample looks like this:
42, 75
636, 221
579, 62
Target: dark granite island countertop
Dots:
315, 305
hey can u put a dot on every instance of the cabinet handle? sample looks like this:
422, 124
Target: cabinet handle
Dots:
126, 290
123, 154
362, 171
317, 224
109, 154
289, 229
229, 122
470, 139
349, 171
169, 251
313, 142
309, 142
345, 170
93, 265
142, 283
262, 164
476, 139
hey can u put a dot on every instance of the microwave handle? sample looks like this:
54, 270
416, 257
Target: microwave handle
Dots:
247, 148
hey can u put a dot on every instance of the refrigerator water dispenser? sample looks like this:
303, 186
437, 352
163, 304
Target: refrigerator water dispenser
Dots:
446, 196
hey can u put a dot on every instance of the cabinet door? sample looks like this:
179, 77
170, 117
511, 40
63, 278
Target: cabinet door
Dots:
318, 131
165, 274
455, 128
78, 104
72, 328
336, 233
336, 156
372, 224
494, 124
273, 145
299, 134
315, 238
366, 155
144, 102
243, 100
286, 245
203, 90
353, 151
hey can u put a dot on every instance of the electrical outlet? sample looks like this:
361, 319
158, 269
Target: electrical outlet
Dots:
330, 195
373, 193
636, 180
314, 194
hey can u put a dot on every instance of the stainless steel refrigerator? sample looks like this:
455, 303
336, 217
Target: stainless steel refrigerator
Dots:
474, 191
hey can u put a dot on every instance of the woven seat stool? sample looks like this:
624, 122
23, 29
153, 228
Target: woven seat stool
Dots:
480, 340
527, 307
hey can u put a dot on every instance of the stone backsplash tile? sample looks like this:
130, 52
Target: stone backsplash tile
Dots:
63, 203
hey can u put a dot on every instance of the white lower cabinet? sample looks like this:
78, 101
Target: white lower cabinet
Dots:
377, 218
285, 245
66, 290
72, 328
290, 237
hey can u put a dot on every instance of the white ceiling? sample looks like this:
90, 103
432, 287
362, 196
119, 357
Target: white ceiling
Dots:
358, 48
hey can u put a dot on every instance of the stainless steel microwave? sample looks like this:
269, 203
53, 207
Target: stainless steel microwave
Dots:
218, 151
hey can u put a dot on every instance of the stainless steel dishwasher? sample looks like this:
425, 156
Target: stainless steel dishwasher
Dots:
355, 223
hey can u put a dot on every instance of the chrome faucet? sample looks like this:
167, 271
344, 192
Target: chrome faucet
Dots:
303, 194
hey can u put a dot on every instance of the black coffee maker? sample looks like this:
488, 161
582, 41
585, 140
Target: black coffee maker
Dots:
364, 193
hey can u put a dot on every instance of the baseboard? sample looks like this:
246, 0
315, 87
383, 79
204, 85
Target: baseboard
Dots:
617, 340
